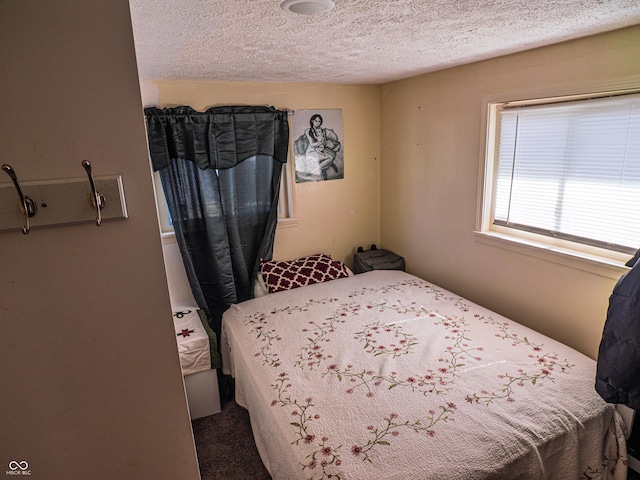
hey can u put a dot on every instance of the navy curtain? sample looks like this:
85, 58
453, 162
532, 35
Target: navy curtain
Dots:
220, 172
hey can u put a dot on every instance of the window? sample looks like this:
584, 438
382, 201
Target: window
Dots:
285, 202
566, 173
166, 225
286, 205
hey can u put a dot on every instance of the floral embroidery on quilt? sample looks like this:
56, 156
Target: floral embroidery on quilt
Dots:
544, 366
326, 454
374, 332
610, 466
387, 338
259, 326
433, 381
313, 353
393, 426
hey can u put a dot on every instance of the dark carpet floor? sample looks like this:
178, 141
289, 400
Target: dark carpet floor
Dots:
225, 446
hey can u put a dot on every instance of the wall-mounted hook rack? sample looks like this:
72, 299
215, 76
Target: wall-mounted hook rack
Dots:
63, 201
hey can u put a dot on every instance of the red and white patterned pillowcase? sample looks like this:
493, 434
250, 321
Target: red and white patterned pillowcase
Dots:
285, 275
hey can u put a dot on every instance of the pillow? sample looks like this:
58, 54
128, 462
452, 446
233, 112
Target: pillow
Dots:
285, 275
259, 287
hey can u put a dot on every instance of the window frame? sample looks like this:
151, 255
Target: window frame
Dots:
166, 230
286, 198
287, 195
593, 259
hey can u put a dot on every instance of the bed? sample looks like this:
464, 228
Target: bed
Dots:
383, 375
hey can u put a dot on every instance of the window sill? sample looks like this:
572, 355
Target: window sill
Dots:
605, 267
287, 223
170, 237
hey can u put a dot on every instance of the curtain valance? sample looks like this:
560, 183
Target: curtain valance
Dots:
220, 137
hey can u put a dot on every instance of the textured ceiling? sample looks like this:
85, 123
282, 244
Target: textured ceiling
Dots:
359, 41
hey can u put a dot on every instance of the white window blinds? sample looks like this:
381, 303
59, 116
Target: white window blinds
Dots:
572, 170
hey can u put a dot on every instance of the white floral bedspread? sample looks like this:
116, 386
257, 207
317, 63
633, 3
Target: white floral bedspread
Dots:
386, 376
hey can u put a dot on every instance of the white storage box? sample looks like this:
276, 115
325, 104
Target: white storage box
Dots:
203, 396
195, 349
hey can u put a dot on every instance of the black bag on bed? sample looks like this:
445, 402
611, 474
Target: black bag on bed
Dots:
376, 259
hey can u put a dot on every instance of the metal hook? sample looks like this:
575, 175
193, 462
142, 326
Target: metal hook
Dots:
27, 204
98, 199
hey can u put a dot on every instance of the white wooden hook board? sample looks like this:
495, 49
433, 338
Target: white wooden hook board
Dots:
61, 202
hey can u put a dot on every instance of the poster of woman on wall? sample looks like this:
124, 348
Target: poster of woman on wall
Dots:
317, 145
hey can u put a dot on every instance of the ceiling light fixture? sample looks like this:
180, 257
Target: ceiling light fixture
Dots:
307, 7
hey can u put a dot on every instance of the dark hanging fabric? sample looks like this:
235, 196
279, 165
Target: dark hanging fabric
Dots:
220, 137
220, 172
618, 365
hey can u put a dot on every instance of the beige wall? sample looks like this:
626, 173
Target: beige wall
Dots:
432, 137
332, 216
89, 370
